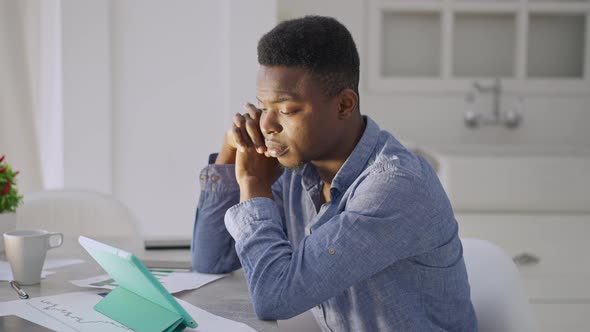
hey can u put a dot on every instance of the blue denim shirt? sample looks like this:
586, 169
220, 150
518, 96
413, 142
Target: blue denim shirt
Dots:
382, 255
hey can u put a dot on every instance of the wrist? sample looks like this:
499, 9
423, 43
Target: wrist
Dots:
227, 155
252, 187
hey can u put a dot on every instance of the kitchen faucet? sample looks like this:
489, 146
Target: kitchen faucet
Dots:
473, 119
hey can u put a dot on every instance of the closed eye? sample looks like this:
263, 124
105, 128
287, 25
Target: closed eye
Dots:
290, 112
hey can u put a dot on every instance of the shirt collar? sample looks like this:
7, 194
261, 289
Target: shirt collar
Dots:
353, 165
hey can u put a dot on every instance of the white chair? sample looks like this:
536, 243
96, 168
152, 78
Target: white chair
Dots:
75, 212
497, 291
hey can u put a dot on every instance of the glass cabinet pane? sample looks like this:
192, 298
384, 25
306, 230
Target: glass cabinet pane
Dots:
411, 44
556, 45
484, 45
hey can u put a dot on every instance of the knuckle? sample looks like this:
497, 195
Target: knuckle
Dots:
251, 123
238, 118
254, 112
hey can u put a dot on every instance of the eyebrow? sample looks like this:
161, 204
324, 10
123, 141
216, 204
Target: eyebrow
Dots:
279, 99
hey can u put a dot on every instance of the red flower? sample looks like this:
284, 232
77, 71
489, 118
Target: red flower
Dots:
2, 159
2, 170
6, 187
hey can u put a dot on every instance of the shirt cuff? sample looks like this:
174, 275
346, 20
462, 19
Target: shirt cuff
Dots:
241, 220
219, 177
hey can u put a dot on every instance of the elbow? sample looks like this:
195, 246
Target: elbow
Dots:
200, 267
201, 264
214, 261
210, 265
266, 312
276, 297
271, 307
204, 266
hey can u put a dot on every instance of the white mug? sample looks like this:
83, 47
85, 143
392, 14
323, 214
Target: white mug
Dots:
26, 250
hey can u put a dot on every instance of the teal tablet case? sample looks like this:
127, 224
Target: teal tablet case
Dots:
140, 301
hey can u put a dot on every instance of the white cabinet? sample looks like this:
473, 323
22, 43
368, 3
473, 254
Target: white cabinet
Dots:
557, 284
441, 46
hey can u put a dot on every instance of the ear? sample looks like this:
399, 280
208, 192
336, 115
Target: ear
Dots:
347, 103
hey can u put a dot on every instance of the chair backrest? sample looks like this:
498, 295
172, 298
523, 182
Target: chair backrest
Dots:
497, 291
76, 213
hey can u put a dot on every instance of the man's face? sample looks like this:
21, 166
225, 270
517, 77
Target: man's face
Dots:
299, 122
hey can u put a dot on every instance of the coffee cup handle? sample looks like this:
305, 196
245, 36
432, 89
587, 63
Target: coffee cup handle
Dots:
59, 243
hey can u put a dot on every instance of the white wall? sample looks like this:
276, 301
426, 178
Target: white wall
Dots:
168, 103
86, 89
248, 21
179, 69
148, 91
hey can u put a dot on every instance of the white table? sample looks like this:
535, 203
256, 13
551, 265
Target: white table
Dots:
227, 297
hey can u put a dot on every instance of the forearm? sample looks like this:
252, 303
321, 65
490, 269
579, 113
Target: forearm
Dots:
261, 268
226, 155
212, 247
282, 282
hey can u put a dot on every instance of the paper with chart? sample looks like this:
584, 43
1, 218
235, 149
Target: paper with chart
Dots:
173, 281
74, 312
64, 312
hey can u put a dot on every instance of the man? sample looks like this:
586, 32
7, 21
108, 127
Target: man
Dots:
324, 210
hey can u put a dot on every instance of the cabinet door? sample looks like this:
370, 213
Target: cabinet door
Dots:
533, 46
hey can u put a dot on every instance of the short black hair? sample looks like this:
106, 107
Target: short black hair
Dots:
319, 44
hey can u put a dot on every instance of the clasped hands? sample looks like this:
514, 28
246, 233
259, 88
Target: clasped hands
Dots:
244, 145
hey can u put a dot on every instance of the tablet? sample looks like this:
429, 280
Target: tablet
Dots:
139, 292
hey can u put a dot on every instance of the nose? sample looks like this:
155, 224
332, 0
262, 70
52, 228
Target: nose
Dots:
269, 123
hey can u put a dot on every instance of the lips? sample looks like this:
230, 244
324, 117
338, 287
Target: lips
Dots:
275, 149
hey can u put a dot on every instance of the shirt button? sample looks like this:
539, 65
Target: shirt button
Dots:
214, 178
203, 177
332, 251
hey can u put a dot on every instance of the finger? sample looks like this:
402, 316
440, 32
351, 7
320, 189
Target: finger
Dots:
253, 111
240, 122
253, 129
238, 137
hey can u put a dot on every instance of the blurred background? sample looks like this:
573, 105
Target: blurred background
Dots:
130, 97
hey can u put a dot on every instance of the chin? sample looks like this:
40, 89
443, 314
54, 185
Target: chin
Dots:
292, 165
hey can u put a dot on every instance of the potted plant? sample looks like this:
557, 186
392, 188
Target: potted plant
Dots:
9, 200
